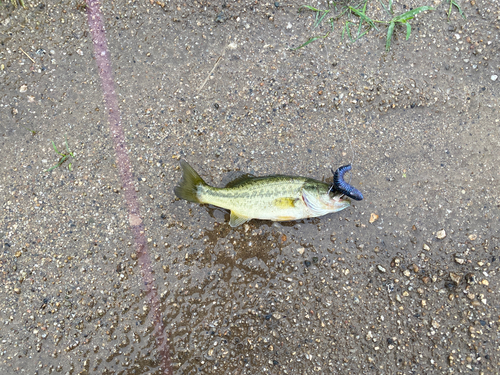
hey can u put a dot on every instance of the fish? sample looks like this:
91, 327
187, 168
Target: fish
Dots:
274, 197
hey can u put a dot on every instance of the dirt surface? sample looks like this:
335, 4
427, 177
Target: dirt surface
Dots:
338, 294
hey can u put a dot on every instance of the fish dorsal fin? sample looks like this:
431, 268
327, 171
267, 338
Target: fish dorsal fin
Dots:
240, 180
236, 220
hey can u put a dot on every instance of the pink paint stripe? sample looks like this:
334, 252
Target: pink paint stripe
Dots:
96, 25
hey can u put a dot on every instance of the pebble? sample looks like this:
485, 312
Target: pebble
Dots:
381, 269
494, 77
455, 277
440, 234
472, 237
471, 279
396, 262
426, 247
301, 250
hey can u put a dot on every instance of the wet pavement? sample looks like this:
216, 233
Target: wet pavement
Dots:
405, 281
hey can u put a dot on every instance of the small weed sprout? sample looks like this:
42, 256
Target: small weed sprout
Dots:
63, 157
454, 3
403, 19
33, 132
365, 23
15, 2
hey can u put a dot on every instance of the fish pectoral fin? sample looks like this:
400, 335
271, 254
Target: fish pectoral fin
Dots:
285, 202
237, 220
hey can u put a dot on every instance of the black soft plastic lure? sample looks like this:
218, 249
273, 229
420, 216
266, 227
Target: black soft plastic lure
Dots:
343, 187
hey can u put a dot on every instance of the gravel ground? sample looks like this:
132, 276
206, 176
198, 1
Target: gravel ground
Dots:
403, 282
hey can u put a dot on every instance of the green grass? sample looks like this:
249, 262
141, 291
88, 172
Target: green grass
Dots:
63, 158
454, 3
403, 19
15, 3
364, 23
33, 132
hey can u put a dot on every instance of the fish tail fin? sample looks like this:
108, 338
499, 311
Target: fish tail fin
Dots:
188, 187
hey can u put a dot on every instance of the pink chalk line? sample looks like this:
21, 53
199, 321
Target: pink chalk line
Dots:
96, 25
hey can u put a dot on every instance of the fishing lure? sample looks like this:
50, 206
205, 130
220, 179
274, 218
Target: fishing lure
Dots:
343, 187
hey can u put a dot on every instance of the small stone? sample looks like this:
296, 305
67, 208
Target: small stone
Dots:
18, 254
471, 279
471, 296
455, 277
396, 262
381, 269
133, 256
17, 290
23, 88
485, 282
406, 273
426, 279
451, 297
426, 247
373, 217
472, 237
220, 17
459, 260
494, 77
301, 250
440, 234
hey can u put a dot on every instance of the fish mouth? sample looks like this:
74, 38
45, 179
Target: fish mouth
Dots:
341, 202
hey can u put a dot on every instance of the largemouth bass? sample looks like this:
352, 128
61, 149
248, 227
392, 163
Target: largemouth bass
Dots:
276, 197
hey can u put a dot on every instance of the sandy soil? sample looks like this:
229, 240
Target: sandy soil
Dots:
404, 282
